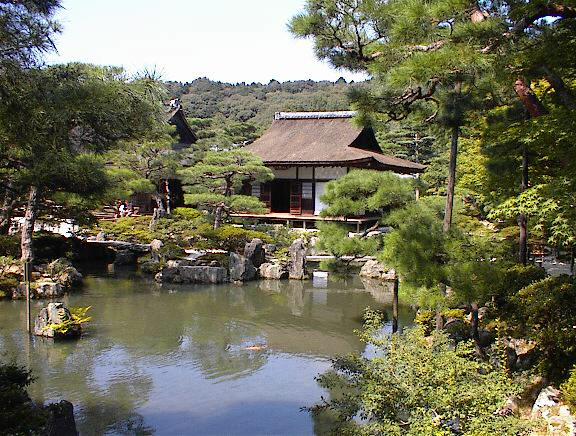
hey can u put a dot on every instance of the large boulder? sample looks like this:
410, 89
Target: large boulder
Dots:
297, 268
272, 271
62, 271
241, 268
193, 274
125, 257
40, 289
155, 247
52, 315
375, 270
549, 408
254, 250
521, 354
61, 420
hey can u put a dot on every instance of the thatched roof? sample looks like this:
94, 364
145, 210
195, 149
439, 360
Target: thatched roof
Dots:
324, 139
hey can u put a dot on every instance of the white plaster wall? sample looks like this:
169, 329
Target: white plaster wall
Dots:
289, 173
305, 173
330, 172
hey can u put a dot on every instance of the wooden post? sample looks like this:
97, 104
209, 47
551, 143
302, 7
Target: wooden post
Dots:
27, 278
395, 306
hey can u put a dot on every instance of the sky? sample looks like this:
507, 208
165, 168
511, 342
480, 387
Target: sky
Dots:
226, 40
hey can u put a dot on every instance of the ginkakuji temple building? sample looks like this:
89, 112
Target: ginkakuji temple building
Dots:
305, 150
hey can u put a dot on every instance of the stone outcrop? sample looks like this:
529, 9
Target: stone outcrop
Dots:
125, 257
557, 416
520, 353
62, 271
193, 274
61, 420
241, 268
155, 247
272, 271
297, 268
375, 270
40, 289
270, 249
254, 250
54, 314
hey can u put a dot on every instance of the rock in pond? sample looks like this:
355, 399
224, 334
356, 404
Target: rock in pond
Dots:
254, 250
272, 271
375, 270
54, 314
241, 268
193, 274
62, 271
155, 247
61, 420
125, 257
297, 269
40, 289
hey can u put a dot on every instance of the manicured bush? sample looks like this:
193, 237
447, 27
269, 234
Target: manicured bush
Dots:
227, 238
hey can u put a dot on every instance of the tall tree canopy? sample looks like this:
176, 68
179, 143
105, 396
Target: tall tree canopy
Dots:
55, 123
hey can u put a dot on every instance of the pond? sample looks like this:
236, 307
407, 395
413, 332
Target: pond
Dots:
195, 359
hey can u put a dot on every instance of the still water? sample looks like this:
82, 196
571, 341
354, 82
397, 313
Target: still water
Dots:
195, 359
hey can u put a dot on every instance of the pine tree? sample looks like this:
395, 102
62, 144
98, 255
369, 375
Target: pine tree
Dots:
215, 183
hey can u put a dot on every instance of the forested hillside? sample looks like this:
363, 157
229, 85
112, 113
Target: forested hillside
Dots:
255, 102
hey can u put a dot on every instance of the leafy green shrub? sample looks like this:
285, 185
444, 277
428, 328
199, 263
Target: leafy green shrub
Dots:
186, 213
78, 317
568, 389
177, 227
10, 245
17, 414
420, 386
129, 229
425, 319
544, 312
512, 280
227, 238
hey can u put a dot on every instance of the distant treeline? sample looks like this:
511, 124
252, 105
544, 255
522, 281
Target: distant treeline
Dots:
255, 102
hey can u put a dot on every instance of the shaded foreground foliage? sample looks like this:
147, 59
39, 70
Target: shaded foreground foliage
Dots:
18, 416
418, 385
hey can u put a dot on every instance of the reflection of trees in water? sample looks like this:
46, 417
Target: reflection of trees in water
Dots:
105, 400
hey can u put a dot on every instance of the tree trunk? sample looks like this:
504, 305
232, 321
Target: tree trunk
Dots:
168, 194
535, 109
562, 91
218, 216
27, 231
528, 98
451, 179
7, 209
476, 332
522, 218
158, 213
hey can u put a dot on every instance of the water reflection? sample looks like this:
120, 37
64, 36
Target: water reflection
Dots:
214, 359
